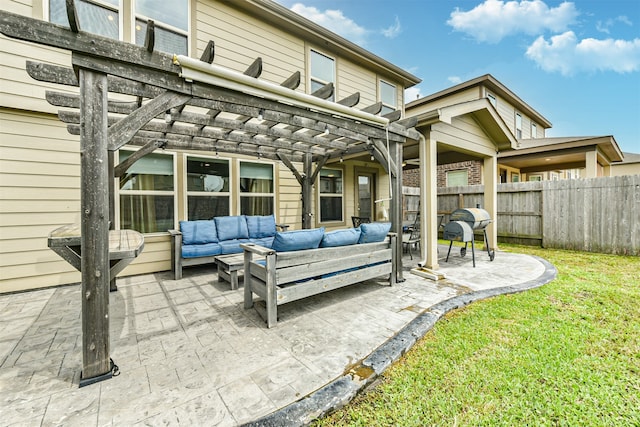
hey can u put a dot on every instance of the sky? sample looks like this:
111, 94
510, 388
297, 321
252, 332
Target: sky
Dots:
575, 62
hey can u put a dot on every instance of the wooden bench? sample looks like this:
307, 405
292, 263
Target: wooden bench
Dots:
283, 277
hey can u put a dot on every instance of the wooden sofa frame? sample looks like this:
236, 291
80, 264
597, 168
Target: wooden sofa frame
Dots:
302, 272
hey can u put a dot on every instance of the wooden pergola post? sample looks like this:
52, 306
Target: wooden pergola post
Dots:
306, 191
94, 189
395, 214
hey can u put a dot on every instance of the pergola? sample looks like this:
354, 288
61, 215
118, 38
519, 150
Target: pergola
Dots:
134, 95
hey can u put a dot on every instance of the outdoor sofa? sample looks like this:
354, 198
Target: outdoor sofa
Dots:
302, 263
200, 241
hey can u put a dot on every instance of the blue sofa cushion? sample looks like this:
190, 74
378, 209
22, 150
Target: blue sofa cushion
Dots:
231, 227
334, 238
265, 241
374, 232
198, 232
232, 246
195, 251
297, 240
261, 226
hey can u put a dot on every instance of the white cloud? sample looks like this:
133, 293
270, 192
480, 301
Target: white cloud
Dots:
493, 20
603, 27
412, 93
333, 20
393, 31
566, 54
454, 79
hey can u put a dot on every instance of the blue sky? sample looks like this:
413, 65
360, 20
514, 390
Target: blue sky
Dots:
577, 63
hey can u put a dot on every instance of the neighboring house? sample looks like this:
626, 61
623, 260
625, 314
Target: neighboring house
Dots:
535, 156
630, 165
40, 172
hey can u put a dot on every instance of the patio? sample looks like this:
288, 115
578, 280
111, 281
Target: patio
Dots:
189, 354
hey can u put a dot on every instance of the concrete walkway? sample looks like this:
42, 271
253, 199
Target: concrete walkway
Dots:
189, 354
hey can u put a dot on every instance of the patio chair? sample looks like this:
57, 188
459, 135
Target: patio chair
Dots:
357, 220
412, 238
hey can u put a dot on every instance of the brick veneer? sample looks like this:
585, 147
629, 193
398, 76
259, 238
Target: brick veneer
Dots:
411, 177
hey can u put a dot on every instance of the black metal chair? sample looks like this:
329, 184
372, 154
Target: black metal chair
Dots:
412, 239
357, 220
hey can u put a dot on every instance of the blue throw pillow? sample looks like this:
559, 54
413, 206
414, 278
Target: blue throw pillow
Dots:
261, 226
232, 227
198, 232
297, 240
334, 238
374, 232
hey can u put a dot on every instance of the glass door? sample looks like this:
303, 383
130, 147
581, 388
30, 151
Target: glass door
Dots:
365, 191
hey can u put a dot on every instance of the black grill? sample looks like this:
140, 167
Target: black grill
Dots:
461, 227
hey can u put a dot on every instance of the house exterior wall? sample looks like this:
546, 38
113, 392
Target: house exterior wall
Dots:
40, 166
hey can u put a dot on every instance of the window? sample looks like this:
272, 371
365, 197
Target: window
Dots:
492, 99
147, 193
171, 20
518, 126
323, 71
457, 178
388, 97
535, 177
207, 187
256, 188
96, 16
331, 195
515, 177
534, 130
102, 17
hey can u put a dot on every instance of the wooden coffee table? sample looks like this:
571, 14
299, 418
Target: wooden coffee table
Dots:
228, 267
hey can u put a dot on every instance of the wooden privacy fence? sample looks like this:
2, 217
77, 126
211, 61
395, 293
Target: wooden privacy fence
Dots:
595, 215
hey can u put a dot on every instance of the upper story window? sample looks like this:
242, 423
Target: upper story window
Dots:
534, 130
331, 195
492, 99
171, 19
147, 193
322, 71
257, 196
207, 187
102, 17
96, 16
457, 178
388, 97
518, 126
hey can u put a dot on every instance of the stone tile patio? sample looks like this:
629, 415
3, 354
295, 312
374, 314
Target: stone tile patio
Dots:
189, 354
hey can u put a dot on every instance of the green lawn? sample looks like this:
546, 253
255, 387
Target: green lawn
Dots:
567, 353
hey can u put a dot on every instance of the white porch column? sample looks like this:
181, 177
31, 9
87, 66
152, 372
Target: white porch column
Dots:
491, 197
429, 200
591, 166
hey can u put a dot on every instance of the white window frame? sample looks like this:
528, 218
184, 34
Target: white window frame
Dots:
534, 130
518, 125
392, 107
129, 5
322, 195
242, 195
312, 78
188, 193
118, 192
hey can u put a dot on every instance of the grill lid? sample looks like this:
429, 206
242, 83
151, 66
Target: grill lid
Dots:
477, 218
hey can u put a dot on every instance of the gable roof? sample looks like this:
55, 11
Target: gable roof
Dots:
606, 144
493, 85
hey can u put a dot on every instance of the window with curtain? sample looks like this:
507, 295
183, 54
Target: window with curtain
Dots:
323, 71
331, 195
257, 185
102, 17
146, 193
207, 187
387, 97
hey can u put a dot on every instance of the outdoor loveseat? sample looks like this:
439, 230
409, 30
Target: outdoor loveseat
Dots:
302, 263
199, 242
